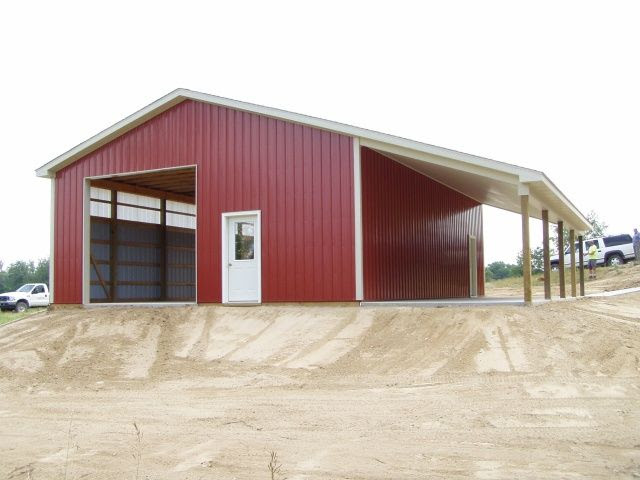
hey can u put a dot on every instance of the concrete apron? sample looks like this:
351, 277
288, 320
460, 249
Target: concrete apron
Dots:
488, 301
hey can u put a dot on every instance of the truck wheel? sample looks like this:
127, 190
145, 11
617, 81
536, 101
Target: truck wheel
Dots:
21, 307
615, 260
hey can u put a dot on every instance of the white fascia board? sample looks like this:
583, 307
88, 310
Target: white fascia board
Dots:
381, 141
110, 133
181, 94
556, 191
448, 162
577, 219
366, 136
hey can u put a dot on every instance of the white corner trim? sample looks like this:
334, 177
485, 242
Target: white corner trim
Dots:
390, 143
523, 189
195, 271
225, 252
162, 104
357, 218
86, 242
52, 243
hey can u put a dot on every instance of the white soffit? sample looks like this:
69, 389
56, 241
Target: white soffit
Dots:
487, 181
495, 189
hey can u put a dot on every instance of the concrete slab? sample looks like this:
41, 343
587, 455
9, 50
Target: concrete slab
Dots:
455, 302
614, 293
488, 301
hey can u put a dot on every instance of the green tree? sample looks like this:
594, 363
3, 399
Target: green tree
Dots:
18, 273
598, 229
4, 285
498, 270
21, 272
41, 273
537, 260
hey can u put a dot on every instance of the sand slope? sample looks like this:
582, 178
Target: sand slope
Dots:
339, 391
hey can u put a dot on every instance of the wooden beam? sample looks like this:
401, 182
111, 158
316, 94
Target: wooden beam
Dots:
100, 280
526, 249
163, 248
113, 244
134, 283
563, 293
572, 252
581, 263
150, 192
128, 263
546, 254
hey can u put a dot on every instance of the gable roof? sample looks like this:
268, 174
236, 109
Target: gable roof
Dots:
488, 181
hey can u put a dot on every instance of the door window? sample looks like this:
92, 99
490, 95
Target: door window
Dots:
244, 240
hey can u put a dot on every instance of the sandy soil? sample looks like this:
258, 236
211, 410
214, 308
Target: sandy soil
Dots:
551, 391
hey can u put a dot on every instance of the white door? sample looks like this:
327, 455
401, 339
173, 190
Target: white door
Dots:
243, 258
39, 298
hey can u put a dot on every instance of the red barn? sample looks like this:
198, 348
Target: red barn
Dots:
197, 198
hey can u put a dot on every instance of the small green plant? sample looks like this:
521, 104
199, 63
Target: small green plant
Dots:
274, 466
137, 455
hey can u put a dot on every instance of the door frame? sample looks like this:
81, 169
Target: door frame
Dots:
473, 266
225, 247
86, 234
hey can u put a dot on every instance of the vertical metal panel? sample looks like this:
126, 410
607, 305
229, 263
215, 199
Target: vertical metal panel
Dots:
180, 264
139, 262
301, 179
415, 234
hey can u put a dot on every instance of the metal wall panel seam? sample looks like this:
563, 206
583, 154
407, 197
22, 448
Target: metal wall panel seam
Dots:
403, 228
228, 179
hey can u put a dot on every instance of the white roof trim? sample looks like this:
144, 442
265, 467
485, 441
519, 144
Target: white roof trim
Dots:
373, 139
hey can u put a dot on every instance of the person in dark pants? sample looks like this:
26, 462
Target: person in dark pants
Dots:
592, 252
636, 245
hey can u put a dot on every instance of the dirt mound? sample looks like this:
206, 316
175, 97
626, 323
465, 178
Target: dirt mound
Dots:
593, 336
339, 392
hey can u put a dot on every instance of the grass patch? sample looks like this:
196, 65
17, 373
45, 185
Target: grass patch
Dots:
537, 279
10, 316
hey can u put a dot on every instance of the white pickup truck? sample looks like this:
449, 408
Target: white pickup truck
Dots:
29, 295
612, 250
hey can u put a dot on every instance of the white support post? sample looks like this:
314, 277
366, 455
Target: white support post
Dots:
86, 245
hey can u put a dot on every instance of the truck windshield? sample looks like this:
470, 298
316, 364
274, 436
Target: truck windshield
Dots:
568, 250
26, 288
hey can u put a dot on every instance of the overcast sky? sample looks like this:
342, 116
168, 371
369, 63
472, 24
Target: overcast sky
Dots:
553, 86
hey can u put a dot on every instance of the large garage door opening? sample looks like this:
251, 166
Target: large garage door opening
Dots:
143, 238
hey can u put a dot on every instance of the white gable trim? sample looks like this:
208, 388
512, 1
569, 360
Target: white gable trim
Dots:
370, 138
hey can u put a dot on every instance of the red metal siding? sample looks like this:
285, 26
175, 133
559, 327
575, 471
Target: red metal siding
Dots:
301, 179
415, 234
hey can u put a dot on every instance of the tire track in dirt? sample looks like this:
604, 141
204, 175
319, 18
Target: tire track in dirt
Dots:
297, 359
344, 337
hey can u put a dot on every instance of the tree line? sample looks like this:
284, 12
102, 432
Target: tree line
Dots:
21, 272
498, 270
